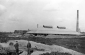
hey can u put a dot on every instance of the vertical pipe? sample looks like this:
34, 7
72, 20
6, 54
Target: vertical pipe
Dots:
77, 24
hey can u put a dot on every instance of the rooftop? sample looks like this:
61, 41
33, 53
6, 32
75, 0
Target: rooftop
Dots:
44, 31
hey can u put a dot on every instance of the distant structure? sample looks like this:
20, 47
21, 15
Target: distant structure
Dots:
37, 25
61, 27
77, 23
57, 32
47, 26
20, 31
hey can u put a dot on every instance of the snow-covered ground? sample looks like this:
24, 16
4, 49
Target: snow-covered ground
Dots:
47, 48
54, 48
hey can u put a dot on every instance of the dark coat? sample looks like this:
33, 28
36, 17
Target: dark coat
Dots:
28, 45
16, 46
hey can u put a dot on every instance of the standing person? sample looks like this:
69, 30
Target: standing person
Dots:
17, 48
28, 48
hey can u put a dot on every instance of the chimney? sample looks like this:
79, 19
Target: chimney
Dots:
77, 23
37, 25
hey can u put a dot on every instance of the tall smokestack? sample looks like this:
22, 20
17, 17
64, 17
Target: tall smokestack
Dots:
77, 23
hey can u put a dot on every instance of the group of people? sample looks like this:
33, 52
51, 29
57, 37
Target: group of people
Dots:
17, 48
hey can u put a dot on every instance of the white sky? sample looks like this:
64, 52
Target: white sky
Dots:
24, 14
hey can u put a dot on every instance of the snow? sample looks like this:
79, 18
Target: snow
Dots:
47, 48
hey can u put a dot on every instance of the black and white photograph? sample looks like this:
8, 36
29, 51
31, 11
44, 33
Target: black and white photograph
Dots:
42, 27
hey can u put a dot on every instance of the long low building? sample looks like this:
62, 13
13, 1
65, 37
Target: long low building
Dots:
54, 32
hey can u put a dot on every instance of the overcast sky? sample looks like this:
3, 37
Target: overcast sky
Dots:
26, 14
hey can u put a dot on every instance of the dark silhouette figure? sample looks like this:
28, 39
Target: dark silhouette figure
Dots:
17, 48
28, 48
